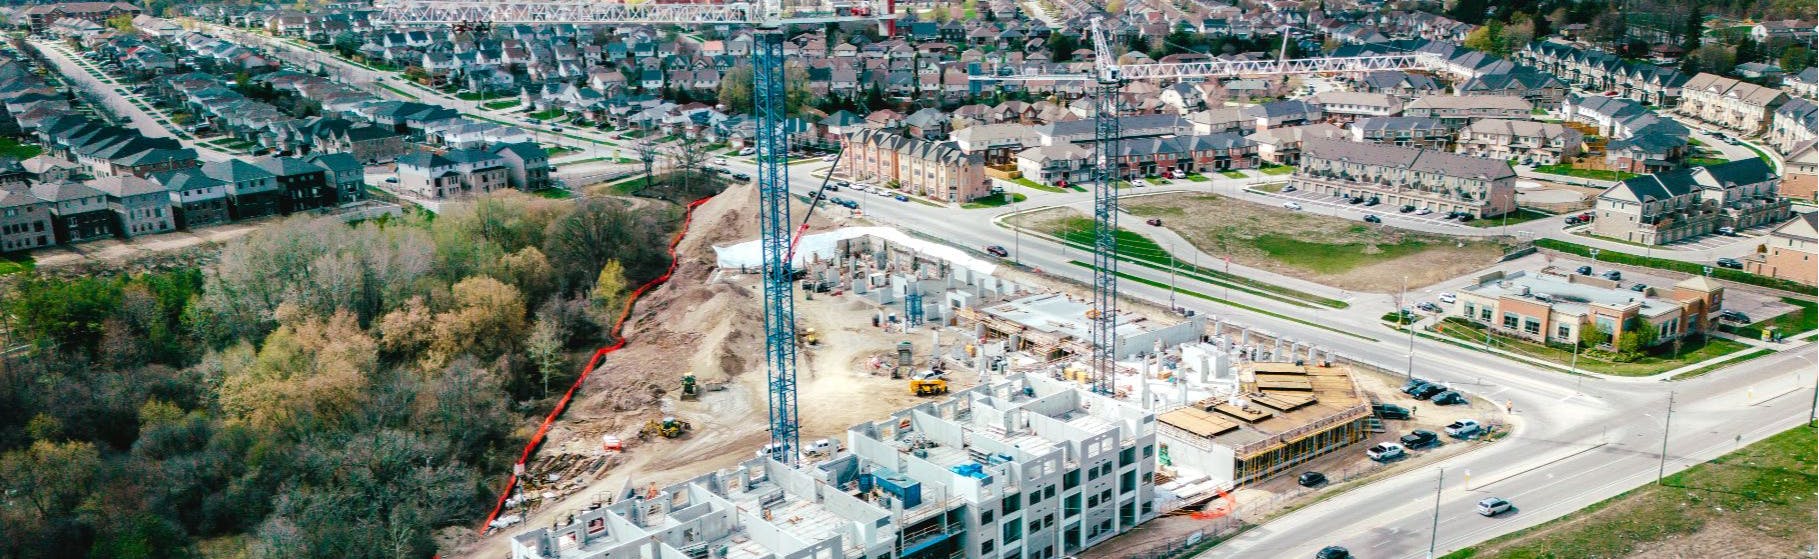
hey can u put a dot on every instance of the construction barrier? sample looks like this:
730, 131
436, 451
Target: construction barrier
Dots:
619, 342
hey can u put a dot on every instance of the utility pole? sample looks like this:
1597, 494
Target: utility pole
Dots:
1666, 422
1434, 536
1579, 384
1171, 277
1403, 299
1017, 255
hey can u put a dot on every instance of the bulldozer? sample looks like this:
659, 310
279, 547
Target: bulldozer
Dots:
669, 428
690, 390
928, 383
808, 338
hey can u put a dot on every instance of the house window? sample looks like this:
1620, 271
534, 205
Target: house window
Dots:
1563, 331
1509, 320
1531, 326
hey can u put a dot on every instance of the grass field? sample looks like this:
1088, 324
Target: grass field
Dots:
1754, 502
1036, 185
1270, 188
1133, 247
1199, 295
1571, 171
497, 105
1661, 358
15, 263
1232, 174
547, 114
995, 200
1197, 177
1324, 249
1715, 366
1521, 215
1788, 324
12, 148
1277, 169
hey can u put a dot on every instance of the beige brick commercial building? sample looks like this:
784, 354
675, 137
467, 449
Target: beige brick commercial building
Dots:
1554, 306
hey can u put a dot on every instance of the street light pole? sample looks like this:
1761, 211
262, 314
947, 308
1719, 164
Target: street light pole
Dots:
1411, 330
1434, 536
1666, 422
1171, 277
1017, 255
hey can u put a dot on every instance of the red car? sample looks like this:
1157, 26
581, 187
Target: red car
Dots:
998, 251
1154, 222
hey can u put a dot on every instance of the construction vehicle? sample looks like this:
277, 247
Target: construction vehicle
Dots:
669, 428
690, 390
808, 337
928, 383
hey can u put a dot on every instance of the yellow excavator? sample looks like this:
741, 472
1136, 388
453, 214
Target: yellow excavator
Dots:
928, 383
669, 428
808, 338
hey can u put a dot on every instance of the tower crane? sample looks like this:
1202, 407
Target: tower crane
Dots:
770, 19
1107, 75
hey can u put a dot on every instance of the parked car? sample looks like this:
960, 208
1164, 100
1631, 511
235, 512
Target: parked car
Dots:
1429, 306
998, 251
1310, 479
1449, 398
1585, 270
1372, 218
1465, 217
1390, 411
1613, 275
748, 151
1727, 231
902, 198
1154, 221
1420, 438
1333, 552
1413, 386
1448, 297
1639, 287
1731, 263
1292, 206
720, 160
1572, 220
1407, 208
741, 176
1429, 391
1734, 316
1463, 428
1423, 211
1355, 200
1493, 506
1384, 452
1289, 188
1372, 202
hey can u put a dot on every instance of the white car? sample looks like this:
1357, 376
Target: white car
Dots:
1462, 428
1385, 452
1448, 298
829, 157
720, 160
747, 151
1292, 206
1493, 506
1424, 211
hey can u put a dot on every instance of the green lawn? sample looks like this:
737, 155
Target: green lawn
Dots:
1739, 276
476, 96
1568, 170
559, 151
401, 92
1036, 185
1703, 161
1196, 294
1156, 180
546, 114
1788, 324
1232, 174
1762, 492
499, 105
1271, 188
1137, 248
1661, 358
1277, 169
1329, 258
1521, 215
12, 148
12, 264
1197, 177
554, 193
995, 200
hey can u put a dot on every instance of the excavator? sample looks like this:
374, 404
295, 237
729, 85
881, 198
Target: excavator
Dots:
669, 428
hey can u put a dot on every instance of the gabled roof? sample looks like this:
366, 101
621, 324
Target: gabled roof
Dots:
528, 151
17, 198
235, 171
122, 186
64, 191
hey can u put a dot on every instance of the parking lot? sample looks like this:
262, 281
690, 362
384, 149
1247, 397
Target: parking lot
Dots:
1714, 240
1389, 213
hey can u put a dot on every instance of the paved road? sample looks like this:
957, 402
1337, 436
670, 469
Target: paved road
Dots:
1571, 446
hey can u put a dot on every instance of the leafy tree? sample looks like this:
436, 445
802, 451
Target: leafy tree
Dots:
736, 89
1795, 58
1693, 34
545, 347
1638, 338
122, 23
309, 372
1488, 38
1593, 336
485, 321
1061, 46
65, 314
51, 477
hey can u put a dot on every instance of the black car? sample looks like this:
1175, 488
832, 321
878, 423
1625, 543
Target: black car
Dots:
1639, 287
1390, 411
1372, 218
1372, 202
1420, 438
1613, 275
1734, 316
998, 251
1731, 263
1464, 217
1355, 200
1449, 398
1333, 552
1428, 391
741, 176
1154, 221
1310, 479
1413, 386
1585, 270
1429, 306
1407, 209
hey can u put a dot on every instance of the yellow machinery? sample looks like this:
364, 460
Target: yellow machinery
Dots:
669, 428
928, 383
808, 337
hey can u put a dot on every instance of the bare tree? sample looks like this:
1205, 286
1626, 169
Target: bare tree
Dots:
647, 152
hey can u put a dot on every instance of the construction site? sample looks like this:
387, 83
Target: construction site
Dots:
922, 364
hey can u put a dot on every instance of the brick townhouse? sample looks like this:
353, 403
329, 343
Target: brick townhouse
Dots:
937, 170
1403, 176
1684, 203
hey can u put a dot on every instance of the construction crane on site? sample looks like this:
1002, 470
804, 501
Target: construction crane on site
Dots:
1107, 76
770, 19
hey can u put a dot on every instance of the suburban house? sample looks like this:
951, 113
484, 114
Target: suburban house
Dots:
1734, 104
1680, 204
1404, 176
1282, 146
78, 213
1407, 131
25, 221
1794, 123
1640, 140
937, 170
251, 190
1458, 110
527, 165
459, 172
1346, 106
1540, 143
141, 207
1541, 90
305, 185
1793, 251
1057, 164
1605, 72
1802, 84
199, 199
345, 175
1554, 306
40, 17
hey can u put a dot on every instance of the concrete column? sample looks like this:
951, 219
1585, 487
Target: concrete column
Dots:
1016, 342
1278, 349
1143, 383
979, 332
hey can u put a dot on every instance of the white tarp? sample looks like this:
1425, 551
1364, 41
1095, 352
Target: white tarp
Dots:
825, 245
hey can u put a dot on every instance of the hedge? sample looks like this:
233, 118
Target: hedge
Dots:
1739, 276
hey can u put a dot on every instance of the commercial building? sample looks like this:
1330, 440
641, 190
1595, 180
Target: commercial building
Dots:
1675, 205
937, 170
1553, 306
1026, 467
1281, 416
1793, 251
1401, 176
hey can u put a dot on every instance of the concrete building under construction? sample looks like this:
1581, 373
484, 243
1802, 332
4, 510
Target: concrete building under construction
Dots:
1025, 467
1280, 416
